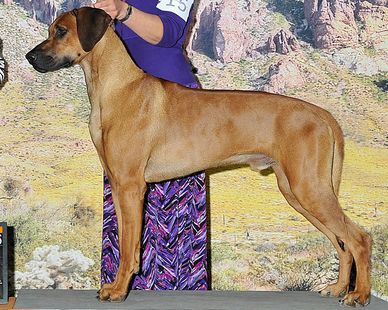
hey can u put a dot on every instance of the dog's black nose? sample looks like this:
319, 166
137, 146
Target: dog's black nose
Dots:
31, 56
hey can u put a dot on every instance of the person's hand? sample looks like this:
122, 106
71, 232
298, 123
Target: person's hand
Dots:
115, 8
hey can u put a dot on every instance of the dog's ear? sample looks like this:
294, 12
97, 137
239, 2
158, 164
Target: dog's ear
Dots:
91, 26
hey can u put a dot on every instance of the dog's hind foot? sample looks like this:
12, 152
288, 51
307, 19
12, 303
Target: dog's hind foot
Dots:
356, 299
334, 290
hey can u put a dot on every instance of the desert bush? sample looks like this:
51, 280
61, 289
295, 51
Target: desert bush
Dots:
380, 259
302, 275
308, 264
221, 251
81, 214
29, 233
226, 280
298, 283
11, 187
227, 266
305, 264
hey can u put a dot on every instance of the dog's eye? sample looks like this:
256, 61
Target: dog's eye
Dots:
60, 32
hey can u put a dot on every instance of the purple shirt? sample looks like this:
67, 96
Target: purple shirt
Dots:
166, 59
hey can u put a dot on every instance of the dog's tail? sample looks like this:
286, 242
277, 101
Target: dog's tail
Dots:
338, 155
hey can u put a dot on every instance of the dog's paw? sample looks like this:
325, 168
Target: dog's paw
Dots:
334, 290
109, 293
356, 299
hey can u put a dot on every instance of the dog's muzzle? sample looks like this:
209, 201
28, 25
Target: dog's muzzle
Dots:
42, 62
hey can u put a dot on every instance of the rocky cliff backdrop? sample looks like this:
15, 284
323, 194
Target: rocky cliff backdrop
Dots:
330, 52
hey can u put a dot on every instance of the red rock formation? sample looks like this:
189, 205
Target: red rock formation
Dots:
332, 22
379, 2
224, 29
47, 10
41, 10
208, 35
74, 4
282, 76
283, 42
373, 15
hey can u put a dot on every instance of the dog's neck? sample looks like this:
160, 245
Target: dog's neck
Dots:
109, 58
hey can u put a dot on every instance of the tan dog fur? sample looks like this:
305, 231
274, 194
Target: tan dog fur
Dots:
147, 130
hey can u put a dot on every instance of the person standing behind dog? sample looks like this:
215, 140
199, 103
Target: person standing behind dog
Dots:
174, 253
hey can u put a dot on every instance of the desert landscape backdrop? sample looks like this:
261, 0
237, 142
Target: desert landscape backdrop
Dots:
332, 53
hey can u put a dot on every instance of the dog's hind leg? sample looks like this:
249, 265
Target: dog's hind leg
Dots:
324, 206
345, 257
316, 195
128, 199
308, 161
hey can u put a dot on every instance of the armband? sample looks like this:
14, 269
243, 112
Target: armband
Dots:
127, 14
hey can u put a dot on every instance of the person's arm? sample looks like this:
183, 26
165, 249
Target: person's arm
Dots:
147, 26
162, 30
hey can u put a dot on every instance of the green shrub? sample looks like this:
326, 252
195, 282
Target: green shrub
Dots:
29, 234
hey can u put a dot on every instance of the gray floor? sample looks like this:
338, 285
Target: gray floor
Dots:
184, 300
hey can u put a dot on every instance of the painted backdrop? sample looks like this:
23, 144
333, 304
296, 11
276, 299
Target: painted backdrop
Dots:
332, 53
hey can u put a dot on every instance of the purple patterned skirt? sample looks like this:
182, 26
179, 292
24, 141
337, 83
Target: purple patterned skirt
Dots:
174, 252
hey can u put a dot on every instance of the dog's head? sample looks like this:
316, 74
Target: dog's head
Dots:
71, 36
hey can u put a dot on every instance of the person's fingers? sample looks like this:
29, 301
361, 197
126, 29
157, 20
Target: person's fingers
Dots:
102, 6
108, 6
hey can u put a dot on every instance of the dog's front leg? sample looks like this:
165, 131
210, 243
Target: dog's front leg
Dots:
128, 200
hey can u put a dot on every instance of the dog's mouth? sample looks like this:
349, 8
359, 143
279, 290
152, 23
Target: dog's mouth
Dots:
39, 69
45, 63
52, 68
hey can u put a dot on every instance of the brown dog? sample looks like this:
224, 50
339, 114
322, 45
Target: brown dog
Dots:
142, 128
